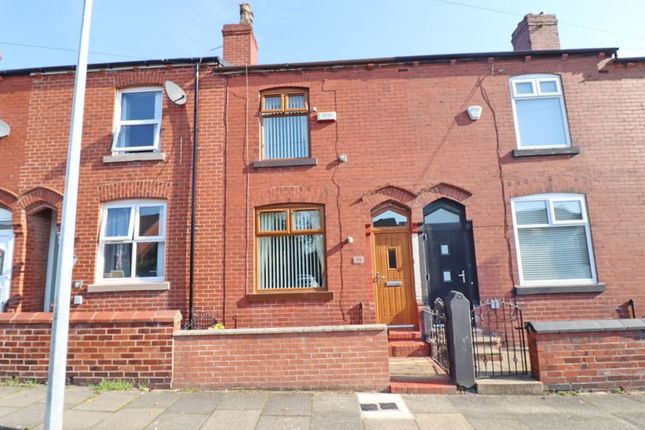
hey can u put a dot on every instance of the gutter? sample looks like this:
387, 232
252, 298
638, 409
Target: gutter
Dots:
413, 60
189, 61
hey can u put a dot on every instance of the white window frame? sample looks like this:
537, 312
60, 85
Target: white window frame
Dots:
537, 93
118, 122
550, 199
134, 238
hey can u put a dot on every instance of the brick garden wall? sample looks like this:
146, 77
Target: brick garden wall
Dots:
339, 358
590, 360
135, 346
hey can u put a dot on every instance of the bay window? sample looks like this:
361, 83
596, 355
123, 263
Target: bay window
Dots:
290, 249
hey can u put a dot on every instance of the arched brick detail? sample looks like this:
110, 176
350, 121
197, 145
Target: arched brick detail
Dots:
135, 190
7, 198
289, 194
38, 198
388, 191
450, 191
541, 184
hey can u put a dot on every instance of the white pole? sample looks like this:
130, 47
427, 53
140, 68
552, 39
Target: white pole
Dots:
60, 327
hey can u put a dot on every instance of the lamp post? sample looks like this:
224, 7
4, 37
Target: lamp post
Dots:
60, 326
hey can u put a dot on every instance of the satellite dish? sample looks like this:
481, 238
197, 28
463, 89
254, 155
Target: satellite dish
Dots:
5, 130
175, 93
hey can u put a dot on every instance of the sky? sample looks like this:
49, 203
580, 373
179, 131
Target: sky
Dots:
40, 33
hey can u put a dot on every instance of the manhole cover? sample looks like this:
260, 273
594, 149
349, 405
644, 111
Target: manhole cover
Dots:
388, 406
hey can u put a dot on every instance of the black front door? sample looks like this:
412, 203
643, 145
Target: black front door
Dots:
450, 260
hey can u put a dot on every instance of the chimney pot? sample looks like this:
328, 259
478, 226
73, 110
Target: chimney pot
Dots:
240, 46
536, 32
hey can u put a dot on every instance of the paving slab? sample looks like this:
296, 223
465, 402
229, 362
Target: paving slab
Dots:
500, 423
81, 420
335, 404
109, 401
613, 403
429, 404
202, 403
26, 417
243, 401
24, 397
292, 404
171, 421
328, 421
635, 418
129, 419
442, 422
390, 425
575, 406
509, 386
232, 420
282, 423
154, 399
562, 422
6, 390
6, 410
75, 396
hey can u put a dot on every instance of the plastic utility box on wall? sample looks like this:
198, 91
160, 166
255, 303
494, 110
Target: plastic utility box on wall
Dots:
326, 116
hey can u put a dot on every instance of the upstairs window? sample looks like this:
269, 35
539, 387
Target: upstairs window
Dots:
285, 125
553, 240
540, 114
133, 241
290, 249
138, 120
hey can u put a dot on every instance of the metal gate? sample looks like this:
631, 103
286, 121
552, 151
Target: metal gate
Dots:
435, 320
499, 339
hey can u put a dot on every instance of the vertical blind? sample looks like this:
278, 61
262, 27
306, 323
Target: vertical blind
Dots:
287, 259
286, 136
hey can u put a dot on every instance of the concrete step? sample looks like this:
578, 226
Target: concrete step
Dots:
517, 385
408, 348
393, 335
422, 386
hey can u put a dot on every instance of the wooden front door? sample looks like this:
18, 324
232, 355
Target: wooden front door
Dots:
395, 302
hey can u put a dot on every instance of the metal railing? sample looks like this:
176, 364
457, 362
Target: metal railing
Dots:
435, 333
499, 340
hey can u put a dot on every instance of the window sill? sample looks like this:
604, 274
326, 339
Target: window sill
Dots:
542, 152
142, 156
110, 288
287, 162
559, 289
304, 295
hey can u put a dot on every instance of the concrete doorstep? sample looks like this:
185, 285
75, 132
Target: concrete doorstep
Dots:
517, 386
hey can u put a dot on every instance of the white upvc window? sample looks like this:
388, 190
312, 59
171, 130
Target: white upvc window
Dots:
539, 111
132, 243
553, 240
137, 120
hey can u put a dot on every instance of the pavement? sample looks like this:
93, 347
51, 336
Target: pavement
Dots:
23, 408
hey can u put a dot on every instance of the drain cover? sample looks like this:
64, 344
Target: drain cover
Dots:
383, 406
369, 407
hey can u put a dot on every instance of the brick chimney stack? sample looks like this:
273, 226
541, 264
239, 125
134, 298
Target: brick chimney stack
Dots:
536, 32
240, 46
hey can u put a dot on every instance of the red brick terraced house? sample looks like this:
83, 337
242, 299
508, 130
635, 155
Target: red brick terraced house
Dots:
332, 193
